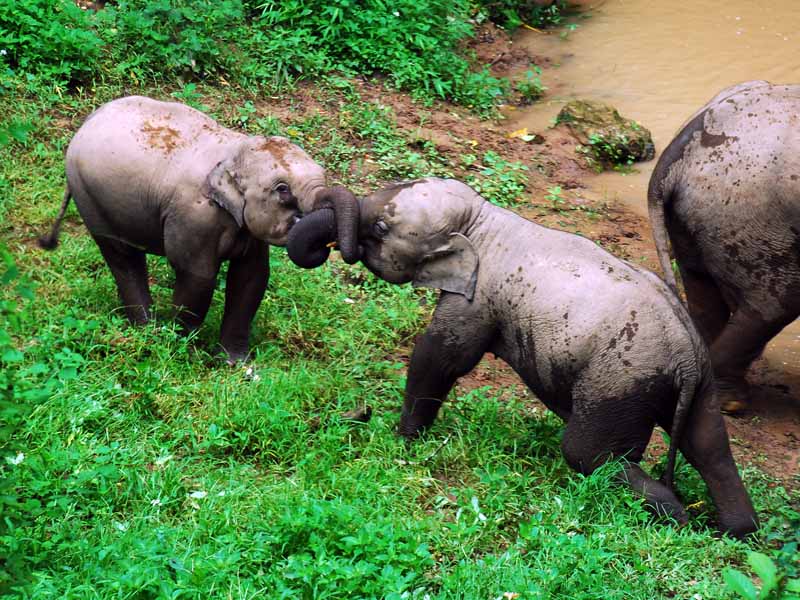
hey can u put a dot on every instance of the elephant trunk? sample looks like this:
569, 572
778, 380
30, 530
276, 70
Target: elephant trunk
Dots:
310, 239
346, 210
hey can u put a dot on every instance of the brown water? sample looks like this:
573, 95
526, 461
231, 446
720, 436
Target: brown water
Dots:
657, 62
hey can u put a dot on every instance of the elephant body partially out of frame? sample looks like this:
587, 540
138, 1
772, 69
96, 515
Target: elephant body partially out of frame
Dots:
725, 194
162, 178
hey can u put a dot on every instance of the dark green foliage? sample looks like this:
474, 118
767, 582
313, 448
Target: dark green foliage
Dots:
417, 44
513, 13
157, 38
52, 39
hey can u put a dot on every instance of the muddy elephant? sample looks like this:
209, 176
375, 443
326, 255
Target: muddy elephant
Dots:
725, 194
152, 177
604, 344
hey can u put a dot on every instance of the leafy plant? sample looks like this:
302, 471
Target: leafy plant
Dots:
530, 88
515, 13
500, 181
555, 196
49, 39
774, 584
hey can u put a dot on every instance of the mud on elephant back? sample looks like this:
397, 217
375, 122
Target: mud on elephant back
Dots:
602, 343
151, 177
725, 195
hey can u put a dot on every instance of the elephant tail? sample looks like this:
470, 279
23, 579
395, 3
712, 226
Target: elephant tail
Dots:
690, 389
50, 240
657, 198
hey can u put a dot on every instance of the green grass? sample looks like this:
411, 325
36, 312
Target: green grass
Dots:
136, 465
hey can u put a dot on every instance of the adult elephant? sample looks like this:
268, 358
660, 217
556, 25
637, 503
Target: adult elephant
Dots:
152, 177
726, 194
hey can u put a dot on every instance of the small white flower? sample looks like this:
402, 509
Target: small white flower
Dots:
396, 13
155, 502
3, 52
15, 460
121, 526
199, 494
349, 301
222, 493
162, 460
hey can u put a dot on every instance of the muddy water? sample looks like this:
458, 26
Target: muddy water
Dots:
657, 62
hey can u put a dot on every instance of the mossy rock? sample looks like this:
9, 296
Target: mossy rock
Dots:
607, 138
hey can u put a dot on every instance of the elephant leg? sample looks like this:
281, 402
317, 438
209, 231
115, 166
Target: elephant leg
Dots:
129, 267
706, 304
450, 347
705, 445
740, 343
245, 286
192, 297
607, 431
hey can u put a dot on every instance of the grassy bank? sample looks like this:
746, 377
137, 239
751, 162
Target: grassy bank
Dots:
135, 464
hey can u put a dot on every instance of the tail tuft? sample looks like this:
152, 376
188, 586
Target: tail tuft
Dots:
48, 242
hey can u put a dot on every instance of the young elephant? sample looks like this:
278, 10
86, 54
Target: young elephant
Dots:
603, 344
726, 193
162, 178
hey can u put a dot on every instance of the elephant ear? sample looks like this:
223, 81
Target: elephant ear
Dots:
453, 267
222, 186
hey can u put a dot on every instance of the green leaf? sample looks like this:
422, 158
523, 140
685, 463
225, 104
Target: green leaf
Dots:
740, 584
766, 570
793, 585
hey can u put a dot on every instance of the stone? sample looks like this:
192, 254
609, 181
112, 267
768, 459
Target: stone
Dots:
606, 138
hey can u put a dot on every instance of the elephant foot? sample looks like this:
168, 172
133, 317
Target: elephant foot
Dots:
733, 396
659, 499
739, 526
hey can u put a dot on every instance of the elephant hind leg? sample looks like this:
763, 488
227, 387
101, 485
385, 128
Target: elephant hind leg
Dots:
591, 440
705, 303
129, 267
705, 445
740, 343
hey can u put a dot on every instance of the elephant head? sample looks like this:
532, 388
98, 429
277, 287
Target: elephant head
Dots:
267, 184
413, 231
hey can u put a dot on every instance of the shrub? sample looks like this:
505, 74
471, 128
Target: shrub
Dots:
418, 44
154, 38
513, 13
48, 39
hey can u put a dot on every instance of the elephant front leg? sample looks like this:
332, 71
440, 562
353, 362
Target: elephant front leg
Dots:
246, 283
451, 347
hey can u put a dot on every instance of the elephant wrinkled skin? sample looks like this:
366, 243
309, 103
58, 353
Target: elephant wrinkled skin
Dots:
605, 345
162, 178
726, 194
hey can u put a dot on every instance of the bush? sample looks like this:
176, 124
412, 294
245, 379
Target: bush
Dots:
513, 13
157, 38
416, 43
51, 40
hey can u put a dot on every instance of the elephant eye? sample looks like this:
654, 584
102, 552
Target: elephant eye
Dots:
282, 188
380, 228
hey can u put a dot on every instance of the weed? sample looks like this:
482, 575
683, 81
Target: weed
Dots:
774, 584
500, 181
530, 88
555, 196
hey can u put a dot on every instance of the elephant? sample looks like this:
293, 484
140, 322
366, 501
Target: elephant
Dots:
604, 344
152, 177
725, 195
